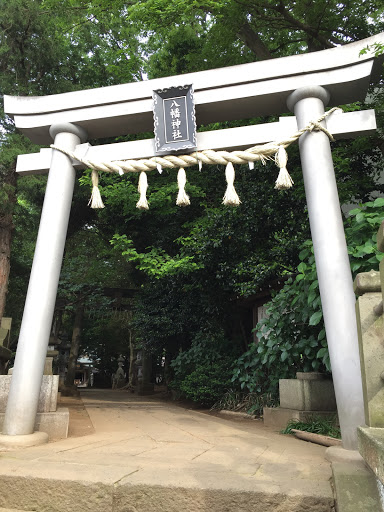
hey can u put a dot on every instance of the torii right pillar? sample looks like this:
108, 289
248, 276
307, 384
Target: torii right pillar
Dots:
332, 263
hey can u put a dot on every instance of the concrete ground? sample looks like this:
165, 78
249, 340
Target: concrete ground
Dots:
137, 454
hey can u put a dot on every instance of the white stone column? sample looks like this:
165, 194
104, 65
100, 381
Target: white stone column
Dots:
332, 263
35, 329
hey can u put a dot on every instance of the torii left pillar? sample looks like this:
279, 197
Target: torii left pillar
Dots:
20, 414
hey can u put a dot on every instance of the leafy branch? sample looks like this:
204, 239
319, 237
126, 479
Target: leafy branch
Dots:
156, 262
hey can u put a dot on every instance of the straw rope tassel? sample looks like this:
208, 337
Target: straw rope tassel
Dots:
262, 152
182, 196
284, 180
230, 198
142, 203
95, 201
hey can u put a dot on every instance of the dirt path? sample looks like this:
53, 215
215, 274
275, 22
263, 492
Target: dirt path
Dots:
80, 423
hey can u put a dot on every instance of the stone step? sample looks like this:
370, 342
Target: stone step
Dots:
355, 487
90, 495
147, 455
13, 510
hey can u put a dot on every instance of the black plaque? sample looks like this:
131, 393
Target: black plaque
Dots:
174, 119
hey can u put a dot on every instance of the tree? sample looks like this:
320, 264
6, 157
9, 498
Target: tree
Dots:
233, 31
90, 269
49, 48
75, 344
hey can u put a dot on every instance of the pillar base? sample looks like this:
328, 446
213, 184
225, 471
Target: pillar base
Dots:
10, 443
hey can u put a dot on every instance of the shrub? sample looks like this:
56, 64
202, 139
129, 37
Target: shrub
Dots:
292, 337
203, 373
208, 382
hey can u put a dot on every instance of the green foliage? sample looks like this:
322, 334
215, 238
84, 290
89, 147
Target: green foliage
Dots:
376, 48
49, 47
26, 215
292, 337
316, 425
10, 147
207, 382
361, 229
203, 372
232, 31
156, 263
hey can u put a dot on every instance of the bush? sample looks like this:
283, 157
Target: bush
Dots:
292, 338
203, 373
207, 383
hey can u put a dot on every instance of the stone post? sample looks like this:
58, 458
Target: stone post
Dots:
332, 263
144, 384
369, 314
41, 296
369, 286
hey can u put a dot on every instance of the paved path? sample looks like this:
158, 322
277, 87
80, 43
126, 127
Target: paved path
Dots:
146, 455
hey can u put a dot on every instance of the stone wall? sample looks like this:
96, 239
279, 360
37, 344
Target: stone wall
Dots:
369, 287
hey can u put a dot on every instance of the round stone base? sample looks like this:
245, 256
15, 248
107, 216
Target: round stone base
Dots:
9, 443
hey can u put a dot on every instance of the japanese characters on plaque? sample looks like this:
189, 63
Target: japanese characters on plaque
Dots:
174, 119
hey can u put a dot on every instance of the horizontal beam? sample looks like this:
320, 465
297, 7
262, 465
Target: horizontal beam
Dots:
236, 92
241, 101
341, 125
339, 57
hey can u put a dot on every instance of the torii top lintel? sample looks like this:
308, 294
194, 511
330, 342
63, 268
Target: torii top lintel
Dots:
236, 92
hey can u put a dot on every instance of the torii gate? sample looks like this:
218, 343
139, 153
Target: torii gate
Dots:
303, 84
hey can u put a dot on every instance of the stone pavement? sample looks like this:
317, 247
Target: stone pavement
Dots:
145, 455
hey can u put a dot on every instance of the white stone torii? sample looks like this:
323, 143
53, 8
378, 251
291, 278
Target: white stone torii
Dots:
304, 84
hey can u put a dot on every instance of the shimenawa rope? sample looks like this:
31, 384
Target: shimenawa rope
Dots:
270, 151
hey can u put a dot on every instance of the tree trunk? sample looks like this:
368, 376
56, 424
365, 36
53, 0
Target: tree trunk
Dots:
75, 344
8, 191
57, 324
131, 371
6, 228
254, 42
